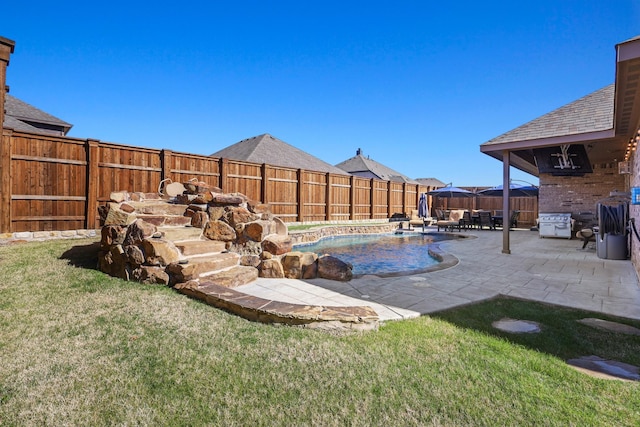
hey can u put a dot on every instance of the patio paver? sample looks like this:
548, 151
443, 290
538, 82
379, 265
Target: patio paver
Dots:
547, 270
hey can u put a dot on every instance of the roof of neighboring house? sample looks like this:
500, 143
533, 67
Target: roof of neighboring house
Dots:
273, 151
25, 117
591, 113
431, 182
364, 166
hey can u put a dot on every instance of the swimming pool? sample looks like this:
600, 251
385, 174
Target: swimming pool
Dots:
382, 254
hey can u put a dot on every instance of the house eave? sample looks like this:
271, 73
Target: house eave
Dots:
579, 138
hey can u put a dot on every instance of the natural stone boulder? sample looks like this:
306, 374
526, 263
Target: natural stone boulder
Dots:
134, 255
330, 267
116, 216
199, 219
215, 212
185, 199
138, 231
259, 208
114, 262
310, 271
271, 268
236, 215
227, 199
160, 252
277, 245
126, 207
199, 187
246, 247
118, 196
257, 230
150, 275
112, 235
250, 260
218, 230
295, 263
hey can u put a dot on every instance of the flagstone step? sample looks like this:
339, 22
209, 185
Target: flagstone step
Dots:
158, 208
165, 220
177, 234
232, 277
269, 311
200, 247
194, 267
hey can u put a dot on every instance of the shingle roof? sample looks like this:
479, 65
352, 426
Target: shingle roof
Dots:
591, 113
273, 151
430, 182
25, 117
364, 166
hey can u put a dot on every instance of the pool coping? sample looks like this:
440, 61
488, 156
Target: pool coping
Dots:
445, 259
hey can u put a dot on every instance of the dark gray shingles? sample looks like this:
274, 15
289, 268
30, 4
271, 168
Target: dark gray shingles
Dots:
430, 182
361, 165
22, 111
591, 113
273, 151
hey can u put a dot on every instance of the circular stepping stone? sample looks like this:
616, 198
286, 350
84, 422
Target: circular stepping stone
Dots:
517, 326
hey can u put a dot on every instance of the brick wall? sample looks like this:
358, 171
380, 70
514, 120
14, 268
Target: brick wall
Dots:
580, 193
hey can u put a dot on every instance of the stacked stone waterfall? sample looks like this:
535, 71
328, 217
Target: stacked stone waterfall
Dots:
200, 234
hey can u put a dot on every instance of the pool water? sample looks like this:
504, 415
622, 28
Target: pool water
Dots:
381, 254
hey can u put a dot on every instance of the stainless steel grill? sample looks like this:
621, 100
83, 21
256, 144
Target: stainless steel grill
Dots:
555, 225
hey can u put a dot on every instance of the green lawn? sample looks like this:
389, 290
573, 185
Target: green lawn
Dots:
80, 348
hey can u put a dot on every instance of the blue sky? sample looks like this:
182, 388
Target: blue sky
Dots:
417, 85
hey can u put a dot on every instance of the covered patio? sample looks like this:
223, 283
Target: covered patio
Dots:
582, 151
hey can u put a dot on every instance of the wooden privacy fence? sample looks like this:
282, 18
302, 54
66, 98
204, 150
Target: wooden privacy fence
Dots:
50, 183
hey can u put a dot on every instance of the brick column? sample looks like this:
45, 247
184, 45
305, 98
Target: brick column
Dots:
6, 49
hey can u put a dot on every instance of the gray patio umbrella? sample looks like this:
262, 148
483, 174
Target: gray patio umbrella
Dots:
450, 191
423, 208
515, 190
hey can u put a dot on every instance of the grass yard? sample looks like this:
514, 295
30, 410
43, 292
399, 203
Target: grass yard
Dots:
80, 348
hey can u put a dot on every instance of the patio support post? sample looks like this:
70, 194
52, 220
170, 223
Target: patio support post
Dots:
506, 163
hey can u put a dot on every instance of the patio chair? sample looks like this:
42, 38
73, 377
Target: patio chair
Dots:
513, 220
455, 220
485, 220
416, 221
466, 222
586, 225
587, 235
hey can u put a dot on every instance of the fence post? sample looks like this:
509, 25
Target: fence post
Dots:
93, 183
223, 166
165, 160
300, 195
352, 199
404, 198
389, 200
5, 180
327, 198
264, 183
372, 197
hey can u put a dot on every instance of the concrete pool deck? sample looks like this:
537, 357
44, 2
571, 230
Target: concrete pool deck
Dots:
549, 270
